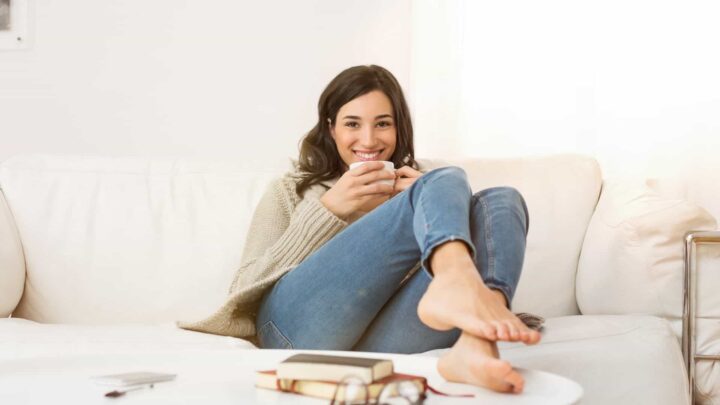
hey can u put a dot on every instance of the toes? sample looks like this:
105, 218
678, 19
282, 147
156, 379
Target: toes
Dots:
509, 376
523, 331
508, 330
516, 380
489, 331
514, 331
500, 376
534, 337
527, 335
502, 330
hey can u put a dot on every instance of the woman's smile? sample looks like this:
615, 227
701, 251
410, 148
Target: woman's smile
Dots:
365, 156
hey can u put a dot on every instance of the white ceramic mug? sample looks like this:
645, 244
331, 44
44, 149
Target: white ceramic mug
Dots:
389, 166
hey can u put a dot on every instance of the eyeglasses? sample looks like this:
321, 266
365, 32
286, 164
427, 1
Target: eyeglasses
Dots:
353, 390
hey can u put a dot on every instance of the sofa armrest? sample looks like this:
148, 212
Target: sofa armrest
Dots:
633, 262
693, 240
12, 261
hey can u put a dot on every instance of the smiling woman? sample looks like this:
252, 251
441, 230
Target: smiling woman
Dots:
363, 258
362, 115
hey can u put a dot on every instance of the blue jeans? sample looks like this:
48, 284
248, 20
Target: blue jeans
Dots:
347, 295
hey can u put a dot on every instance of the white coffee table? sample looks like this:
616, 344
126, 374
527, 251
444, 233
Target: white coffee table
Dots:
226, 377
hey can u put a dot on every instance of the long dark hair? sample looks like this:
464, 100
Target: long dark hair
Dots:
319, 157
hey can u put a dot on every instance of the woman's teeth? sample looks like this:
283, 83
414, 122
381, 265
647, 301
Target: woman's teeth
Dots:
367, 155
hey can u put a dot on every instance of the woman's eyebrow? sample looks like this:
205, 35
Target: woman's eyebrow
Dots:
355, 117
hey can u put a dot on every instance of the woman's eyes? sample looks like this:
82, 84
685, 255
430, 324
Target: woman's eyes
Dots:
381, 124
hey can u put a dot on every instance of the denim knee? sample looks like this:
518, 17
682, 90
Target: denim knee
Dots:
510, 197
447, 173
447, 170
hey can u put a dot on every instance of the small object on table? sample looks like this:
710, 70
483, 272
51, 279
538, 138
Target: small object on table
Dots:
119, 393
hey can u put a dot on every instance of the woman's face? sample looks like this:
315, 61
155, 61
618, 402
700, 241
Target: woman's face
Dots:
365, 129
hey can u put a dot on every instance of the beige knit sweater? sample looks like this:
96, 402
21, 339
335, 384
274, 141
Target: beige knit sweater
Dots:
285, 229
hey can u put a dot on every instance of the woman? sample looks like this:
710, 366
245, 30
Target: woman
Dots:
337, 260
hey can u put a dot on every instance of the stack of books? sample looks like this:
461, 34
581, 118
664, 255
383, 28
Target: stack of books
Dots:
329, 377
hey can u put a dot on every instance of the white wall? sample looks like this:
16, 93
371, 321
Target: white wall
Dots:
633, 82
194, 78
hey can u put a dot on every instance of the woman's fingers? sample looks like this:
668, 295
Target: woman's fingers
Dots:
406, 176
374, 190
402, 184
408, 172
373, 177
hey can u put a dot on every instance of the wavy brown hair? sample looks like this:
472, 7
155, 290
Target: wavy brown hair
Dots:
319, 158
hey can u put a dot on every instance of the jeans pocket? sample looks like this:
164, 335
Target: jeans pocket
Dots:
270, 337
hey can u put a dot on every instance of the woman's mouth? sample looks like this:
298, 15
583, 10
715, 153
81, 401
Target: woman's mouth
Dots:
365, 156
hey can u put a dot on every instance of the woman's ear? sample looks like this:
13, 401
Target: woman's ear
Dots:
331, 127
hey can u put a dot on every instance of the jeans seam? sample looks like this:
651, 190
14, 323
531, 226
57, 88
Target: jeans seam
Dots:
527, 215
275, 329
426, 226
488, 239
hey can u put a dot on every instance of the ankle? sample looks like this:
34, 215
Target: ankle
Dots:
500, 297
450, 256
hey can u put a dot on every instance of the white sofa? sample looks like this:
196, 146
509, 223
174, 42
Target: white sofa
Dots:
103, 255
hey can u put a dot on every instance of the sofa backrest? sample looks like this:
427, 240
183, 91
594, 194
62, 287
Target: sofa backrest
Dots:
115, 240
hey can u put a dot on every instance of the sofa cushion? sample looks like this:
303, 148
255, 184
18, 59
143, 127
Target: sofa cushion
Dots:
633, 252
22, 338
12, 262
561, 192
616, 359
632, 262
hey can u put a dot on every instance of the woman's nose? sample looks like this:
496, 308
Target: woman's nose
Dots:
367, 136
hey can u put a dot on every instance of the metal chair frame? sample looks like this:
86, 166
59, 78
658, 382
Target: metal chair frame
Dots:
689, 338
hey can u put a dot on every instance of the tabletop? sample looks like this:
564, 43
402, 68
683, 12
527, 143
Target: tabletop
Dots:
227, 377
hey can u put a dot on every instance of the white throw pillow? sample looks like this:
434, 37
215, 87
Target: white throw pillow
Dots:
632, 258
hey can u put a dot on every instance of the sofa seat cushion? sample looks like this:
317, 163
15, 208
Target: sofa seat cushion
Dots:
23, 338
616, 359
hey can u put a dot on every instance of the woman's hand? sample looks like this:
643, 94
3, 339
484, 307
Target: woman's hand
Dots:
355, 191
406, 176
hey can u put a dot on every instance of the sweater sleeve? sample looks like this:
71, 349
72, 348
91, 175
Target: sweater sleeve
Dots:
281, 235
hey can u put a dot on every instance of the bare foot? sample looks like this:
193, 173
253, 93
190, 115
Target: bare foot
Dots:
473, 360
457, 297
